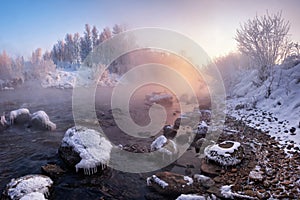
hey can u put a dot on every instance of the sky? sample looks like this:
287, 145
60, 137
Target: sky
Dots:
30, 24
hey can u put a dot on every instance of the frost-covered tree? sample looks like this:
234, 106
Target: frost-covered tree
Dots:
86, 42
77, 49
118, 28
95, 36
105, 34
5, 66
264, 39
69, 55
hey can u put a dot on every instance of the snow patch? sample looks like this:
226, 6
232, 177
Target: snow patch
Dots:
93, 148
227, 193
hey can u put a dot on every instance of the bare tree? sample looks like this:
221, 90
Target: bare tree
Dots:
265, 40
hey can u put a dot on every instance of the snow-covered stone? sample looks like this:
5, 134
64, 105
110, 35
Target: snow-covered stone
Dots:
88, 145
28, 186
168, 183
226, 153
41, 120
21, 115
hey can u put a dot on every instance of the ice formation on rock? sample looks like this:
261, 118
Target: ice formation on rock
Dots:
26, 185
165, 146
158, 143
40, 118
33, 196
225, 156
22, 114
93, 148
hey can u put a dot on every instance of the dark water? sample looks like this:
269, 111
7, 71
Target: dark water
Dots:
23, 151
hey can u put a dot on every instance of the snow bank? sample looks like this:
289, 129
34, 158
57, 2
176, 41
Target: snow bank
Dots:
83, 78
283, 104
28, 186
92, 147
224, 156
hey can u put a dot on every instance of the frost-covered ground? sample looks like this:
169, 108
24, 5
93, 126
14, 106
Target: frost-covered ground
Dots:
279, 114
67, 79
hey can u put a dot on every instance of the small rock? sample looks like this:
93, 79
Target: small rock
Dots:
52, 170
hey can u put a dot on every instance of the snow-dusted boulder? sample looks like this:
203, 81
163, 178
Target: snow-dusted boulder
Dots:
33, 187
165, 146
226, 153
85, 149
168, 183
19, 116
40, 120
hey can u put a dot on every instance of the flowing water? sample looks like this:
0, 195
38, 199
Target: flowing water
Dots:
23, 151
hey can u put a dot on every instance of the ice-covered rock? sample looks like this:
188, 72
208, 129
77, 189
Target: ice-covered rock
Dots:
168, 183
41, 120
226, 153
158, 143
165, 146
85, 149
33, 196
19, 116
3, 123
28, 186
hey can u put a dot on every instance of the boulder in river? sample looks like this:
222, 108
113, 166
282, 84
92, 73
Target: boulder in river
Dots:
85, 149
28, 187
